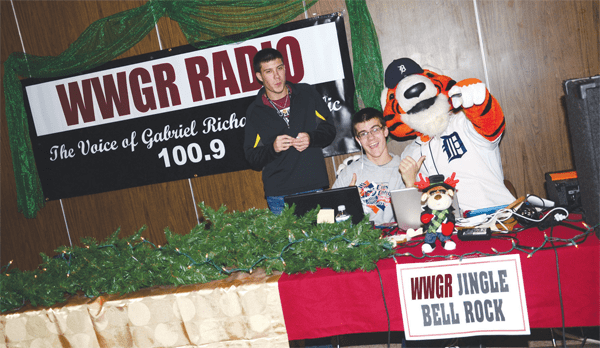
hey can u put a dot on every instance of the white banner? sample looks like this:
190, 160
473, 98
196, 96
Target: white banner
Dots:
179, 82
479, 296
178, 113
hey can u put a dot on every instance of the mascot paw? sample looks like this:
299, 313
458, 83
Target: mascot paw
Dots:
450, 245
427, 248
467, 93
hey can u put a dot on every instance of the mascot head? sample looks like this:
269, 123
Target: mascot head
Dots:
415, 101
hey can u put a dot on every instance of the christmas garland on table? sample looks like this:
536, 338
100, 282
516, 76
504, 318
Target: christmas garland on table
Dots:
222, 244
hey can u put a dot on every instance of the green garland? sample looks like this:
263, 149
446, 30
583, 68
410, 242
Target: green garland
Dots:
222, 244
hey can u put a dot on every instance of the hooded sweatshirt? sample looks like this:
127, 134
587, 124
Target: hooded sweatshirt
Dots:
374, 184
289, 172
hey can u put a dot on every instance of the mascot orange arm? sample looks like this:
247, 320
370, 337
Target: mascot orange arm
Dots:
487, 118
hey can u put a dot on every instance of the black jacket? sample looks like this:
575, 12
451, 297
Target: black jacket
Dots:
289, 171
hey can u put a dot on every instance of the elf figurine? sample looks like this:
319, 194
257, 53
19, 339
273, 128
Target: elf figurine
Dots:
437, 217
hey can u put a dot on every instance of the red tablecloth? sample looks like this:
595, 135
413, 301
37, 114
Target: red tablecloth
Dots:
326, 303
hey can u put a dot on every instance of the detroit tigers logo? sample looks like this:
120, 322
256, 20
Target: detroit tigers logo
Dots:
402, 68
453, 146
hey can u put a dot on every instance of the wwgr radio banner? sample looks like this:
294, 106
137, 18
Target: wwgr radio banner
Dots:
177, 113
446, 299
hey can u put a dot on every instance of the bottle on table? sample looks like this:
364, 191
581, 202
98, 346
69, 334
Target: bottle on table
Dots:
342, 215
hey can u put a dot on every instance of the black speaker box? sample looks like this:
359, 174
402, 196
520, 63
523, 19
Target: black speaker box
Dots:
582, 99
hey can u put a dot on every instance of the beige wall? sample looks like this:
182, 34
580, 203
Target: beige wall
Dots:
522, 49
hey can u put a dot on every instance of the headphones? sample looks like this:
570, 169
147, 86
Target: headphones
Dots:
362, 163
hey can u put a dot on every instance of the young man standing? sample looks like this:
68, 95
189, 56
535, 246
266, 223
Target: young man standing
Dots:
287, 126
380, 172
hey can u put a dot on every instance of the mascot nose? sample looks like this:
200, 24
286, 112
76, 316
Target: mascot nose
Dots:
437, 197
414, 91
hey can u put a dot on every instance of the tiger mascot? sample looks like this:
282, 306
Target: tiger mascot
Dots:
456, 127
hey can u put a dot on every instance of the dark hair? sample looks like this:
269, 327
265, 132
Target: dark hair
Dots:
265, 55
364, 115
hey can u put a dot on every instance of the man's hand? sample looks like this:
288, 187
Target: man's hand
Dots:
301, 142
409, 168
282, 143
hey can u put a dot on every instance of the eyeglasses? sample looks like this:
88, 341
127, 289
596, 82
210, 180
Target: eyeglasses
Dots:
440, 191
374, 131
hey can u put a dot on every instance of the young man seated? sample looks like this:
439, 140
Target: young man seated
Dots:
380, 172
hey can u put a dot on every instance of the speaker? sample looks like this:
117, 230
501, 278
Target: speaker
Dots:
582, 99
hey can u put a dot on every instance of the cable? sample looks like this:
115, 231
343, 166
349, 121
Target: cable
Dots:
511, 213
385, 305
502, 215
504, 236
432, 159
583, 339
562, 308
582, 238
66, 224
20, 37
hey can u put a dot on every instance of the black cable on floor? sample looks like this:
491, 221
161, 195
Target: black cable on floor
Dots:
385, 305
584, 338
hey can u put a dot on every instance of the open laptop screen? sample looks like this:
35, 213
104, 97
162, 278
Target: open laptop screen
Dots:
407, 207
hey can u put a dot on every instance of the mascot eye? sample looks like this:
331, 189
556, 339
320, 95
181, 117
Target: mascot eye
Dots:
415, 91
392, 96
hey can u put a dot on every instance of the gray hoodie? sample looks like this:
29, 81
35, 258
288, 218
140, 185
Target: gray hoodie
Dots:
374, 185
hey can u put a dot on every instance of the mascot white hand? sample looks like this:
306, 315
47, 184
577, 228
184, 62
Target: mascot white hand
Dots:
467, 93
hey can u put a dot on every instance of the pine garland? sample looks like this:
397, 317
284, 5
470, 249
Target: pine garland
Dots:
222, 244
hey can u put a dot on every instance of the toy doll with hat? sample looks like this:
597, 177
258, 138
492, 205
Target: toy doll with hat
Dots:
437, 217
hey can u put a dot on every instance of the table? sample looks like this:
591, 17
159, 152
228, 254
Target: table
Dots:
259, 310
326, 303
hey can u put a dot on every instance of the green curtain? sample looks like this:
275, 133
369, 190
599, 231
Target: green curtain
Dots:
203, 22
366, 55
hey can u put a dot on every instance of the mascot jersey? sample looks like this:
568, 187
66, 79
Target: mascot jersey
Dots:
374, 185
462, 150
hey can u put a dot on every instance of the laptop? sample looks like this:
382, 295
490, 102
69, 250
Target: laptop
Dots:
407, 207
331, 199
